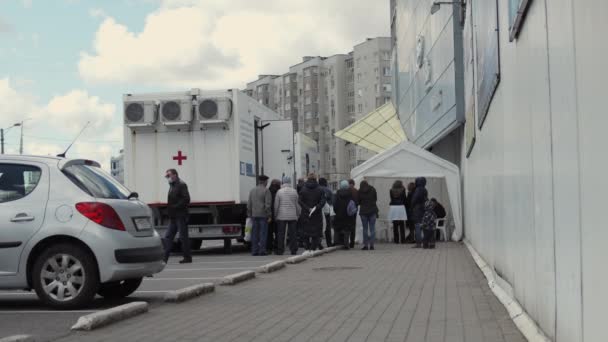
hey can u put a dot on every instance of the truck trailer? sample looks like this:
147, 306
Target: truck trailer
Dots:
218, 141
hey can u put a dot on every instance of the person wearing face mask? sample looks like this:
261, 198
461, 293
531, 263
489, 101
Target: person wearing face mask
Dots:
177, 209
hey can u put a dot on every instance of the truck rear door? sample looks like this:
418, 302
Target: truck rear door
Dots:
278, 148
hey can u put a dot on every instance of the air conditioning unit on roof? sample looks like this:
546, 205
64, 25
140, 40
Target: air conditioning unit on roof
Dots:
214, 111
176, 112
140, 113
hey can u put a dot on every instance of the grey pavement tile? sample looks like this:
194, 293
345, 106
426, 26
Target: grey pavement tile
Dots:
398, 294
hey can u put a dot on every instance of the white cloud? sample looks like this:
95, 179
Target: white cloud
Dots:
97, 13
26, 3
226, 43
54, 124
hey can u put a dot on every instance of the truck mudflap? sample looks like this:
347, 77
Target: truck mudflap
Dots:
209, 231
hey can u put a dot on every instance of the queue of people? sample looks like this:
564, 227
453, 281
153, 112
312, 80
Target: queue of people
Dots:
280, 213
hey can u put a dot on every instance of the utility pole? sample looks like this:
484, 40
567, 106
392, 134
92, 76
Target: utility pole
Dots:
2, 139
21, 140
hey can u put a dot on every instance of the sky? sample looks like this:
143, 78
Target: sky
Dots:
64, 63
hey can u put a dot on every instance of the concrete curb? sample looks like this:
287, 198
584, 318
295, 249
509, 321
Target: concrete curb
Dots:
297, 259
18, 338
318, 253
238, 277
109, 316
189, 292
272, 267
520, 317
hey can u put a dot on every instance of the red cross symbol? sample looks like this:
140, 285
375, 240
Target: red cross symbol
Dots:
180, 158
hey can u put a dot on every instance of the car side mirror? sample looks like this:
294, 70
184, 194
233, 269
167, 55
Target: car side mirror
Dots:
133, 195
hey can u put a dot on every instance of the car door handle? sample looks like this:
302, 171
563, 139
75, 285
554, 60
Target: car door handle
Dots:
23, 218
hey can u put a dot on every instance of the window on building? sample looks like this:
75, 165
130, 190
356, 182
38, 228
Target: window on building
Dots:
386, 87
287, 92
333, 161
386, 71
359, 77
387, 99
307, 86
307, 100
377, 87
386, 55
306, 72
360, 108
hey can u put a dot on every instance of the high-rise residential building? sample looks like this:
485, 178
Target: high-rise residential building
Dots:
117, 167
372, 82
322, 95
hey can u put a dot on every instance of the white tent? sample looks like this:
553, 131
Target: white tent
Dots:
407, 160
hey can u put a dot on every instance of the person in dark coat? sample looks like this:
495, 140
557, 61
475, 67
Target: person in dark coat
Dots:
299, 227
342, 221
368, 211
418, 201
397, 213
439, 209
312, 201
353, 220
411, 187
178, 200
327, 210
271, 239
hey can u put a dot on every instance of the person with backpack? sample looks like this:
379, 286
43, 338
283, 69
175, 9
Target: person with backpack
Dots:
312, 201
368, 212
353, 221
428, 225
419, 199
345, 209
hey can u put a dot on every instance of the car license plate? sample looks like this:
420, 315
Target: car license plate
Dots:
142, 223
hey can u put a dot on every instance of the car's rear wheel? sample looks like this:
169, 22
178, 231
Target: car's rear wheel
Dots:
65, 276
119, 289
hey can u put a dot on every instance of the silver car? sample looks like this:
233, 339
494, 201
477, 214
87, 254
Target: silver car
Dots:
69, 231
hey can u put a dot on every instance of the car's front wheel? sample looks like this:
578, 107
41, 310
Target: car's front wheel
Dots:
119, 289
65, 276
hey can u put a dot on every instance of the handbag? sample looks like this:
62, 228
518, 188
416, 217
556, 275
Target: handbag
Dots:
351, 209
248, 229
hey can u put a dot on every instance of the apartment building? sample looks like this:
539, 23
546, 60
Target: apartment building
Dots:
322, 95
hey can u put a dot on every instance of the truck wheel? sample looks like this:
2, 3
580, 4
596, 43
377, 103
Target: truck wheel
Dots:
195, 244
119, 289
65, 276
228, 246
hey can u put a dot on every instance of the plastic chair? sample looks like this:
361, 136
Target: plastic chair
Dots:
440, 224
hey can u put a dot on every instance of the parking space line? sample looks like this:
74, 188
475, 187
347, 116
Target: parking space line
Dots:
45, 311
227, 262
206, 278
206, 269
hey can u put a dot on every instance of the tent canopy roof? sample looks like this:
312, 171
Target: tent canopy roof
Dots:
377, 131
407, 160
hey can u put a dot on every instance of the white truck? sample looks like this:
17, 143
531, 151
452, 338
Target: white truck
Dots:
218, 141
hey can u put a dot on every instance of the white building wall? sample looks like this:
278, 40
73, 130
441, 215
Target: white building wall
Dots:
534, 182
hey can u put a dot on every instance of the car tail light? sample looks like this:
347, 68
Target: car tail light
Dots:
101, 213
230, 229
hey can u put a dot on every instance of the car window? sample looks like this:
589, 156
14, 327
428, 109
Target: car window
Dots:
17, 181
95, 182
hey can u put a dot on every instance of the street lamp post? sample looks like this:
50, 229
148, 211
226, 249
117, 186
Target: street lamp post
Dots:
2, 136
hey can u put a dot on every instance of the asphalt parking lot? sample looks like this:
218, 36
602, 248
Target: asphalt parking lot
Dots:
22, 313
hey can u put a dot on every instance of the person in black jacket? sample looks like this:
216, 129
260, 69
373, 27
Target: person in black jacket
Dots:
418, 200
177, 210
271, 238
411, 187
342, 221
368, 211
397, 213
353, 220
312, 201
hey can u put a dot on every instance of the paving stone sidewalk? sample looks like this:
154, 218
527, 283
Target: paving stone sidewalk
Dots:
394, 293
